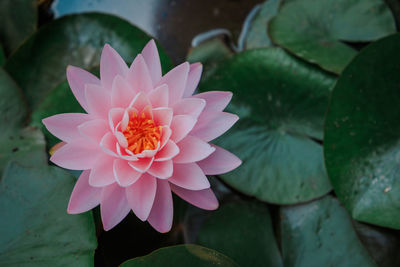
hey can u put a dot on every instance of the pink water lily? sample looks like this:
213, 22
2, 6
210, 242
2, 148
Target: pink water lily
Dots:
144, 135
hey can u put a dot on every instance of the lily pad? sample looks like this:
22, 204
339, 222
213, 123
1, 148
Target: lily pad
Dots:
18, 22
281, 102
314, 30
182, 255
362, 140
242, 231
72, 40
35, 228
320, 233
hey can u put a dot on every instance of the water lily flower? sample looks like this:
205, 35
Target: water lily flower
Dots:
144, 135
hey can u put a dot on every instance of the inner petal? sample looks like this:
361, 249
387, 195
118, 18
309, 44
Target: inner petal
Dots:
142, 133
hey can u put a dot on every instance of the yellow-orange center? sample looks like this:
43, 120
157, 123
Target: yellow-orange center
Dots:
142, 133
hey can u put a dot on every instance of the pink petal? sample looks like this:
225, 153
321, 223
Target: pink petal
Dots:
161, 169
141, 196
140, 102
115, 116
165, 136
152, 59
213, 125
114, 206
142, 164
124, 174
107, 144
102, 172
162, 116
84, 197
189, 176
176, 81
94, 130
189, 106
121, 139
221, 161
111, 65
65, 126
161, 214
139, 77
77, 155
216, 100
159, 96
77, 79
122, 93
193, 79
169, 151
192, 149
98, 100
181, 125
204, 199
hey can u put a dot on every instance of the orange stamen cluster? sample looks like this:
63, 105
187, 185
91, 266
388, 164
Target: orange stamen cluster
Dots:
142, 134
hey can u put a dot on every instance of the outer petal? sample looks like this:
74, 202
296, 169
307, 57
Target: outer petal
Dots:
94, 130
141, 196
77, 79
115, 115
216, 100
142, 164
65, 126
161, 169
125, 174
138, 76
77, 155
189, 176
169, 151
108, 144
98, 100
176, 81
189, 106
122, 93
84, 197
111, 65
181, 125
159, 96
193, 80
140, 102
211, 126
114, 206
152, 59
204, 199
221, 161
102, 172
192, 149
165, 136
162, 116
161, 214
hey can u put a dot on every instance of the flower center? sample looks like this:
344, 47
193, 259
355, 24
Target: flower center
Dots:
142, 133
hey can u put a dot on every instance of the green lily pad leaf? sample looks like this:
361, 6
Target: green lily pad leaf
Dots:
313, 30
362, 140
242, 231
257, 36
182, 255
12, 103
26, 145
382, 244
281, 102
320, 233
18, 22
35, 228
72, 40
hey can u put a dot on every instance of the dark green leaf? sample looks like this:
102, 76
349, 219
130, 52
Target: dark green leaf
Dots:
40, 64
18, 22
320, 233
35, 228
362, 140
313, 30
243, 232
210, 51
281, 102
2, 56
182, 255
257, 36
